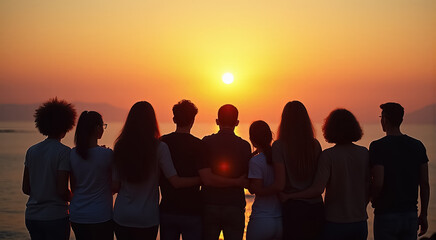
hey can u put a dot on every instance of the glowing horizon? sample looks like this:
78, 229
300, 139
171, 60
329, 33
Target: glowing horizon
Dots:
325, 54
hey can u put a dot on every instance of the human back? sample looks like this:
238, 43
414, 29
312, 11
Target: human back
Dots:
297, 151
46, 173
91, 180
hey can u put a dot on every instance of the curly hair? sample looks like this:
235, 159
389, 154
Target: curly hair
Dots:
341, 127
184, 113
55, 117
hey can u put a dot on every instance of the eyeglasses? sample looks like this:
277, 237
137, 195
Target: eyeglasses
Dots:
104, 125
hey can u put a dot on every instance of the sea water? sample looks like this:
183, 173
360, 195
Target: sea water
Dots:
16, 137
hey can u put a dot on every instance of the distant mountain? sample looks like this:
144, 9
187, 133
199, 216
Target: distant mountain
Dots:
425, 115
24, 112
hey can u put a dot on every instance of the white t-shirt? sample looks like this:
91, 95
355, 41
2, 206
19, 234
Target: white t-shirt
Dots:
43, 160
92, 199
137, 205
263, 206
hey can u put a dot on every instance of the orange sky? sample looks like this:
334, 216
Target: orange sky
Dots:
327, 54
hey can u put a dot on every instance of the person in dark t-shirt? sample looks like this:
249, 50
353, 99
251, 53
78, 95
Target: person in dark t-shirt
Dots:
180, 209
224, 175
399, 168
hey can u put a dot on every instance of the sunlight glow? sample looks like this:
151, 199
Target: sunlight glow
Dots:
227, 78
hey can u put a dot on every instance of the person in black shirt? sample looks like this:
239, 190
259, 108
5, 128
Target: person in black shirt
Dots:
399, 167
224, 173
180, 209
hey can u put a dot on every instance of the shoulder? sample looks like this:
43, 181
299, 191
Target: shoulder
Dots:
414, 141
360, 148
258, 159
162, 146
209, 137
278, 144
378, 142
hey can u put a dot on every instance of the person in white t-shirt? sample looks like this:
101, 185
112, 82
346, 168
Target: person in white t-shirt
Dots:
266, 215
139, 159
91, 179
46, 173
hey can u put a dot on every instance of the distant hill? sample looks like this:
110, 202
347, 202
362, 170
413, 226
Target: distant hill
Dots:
425, 115
24, 112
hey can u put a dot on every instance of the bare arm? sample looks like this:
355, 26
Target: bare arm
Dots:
424, 194
256, 185
377, 178
26, 182
213, 180
315, 190
62, 185
182, 182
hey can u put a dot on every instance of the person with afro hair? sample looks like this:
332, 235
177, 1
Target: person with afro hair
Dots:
46, 173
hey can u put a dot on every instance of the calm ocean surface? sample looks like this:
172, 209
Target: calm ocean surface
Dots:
16, 137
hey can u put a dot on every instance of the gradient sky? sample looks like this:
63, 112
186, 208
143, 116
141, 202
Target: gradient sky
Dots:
327, 54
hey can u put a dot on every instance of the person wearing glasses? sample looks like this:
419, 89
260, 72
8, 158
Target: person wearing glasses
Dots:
399, 167
91, 180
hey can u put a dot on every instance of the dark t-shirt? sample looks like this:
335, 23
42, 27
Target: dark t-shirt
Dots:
187, 152
401, 157
228, 156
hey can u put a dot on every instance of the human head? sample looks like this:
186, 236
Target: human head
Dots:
89, 126
392, 113
341, 127
260, 134
295, 122
228, 116
261, 137
141, 121
55, 118
184, 113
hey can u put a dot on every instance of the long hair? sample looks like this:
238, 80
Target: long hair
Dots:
86, 127
297, 133
135, 149
261, 137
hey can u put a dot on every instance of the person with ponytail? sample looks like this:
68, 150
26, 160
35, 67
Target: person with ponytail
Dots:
298, 151
91, 180
140, 157
266, 214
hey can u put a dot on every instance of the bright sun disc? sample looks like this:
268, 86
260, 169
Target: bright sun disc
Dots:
227, 78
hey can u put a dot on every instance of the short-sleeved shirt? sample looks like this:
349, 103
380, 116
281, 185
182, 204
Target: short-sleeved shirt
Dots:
281, 155
137, 204
401, 157
187, 152
92, 197
345, 170
227, 156
43, 160
263, 206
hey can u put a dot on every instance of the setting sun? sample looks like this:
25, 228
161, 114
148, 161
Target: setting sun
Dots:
227, 78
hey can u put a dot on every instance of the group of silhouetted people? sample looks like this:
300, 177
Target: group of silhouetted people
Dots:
202, 181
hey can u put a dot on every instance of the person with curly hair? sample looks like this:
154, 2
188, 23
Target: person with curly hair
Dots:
46, 173
343, 171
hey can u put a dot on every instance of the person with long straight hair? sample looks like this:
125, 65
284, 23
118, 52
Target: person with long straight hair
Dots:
91, 180
266, 213
298, 151
343, 172
139, 157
